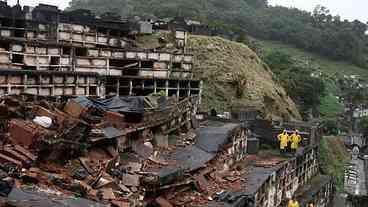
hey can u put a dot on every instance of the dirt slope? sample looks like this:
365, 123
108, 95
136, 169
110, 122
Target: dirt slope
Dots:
234, 75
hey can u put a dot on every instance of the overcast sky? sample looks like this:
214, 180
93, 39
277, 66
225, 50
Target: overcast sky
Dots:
347, 9
61, 3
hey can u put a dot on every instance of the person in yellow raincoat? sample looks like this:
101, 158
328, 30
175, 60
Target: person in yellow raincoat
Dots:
293, 203
295, 140
283, 139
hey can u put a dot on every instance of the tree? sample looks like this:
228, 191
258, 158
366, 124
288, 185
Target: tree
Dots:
318, 32
305, 90
257, 3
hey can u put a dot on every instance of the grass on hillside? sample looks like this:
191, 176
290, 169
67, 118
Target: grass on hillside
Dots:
326, 65
234, 75
330, 106
332, 157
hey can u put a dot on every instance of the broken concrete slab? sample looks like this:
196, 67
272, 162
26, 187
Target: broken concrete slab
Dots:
131, 180
84, 163
161, 140
133, 167
24, 133
116, 119
107, 194
8, 151
6, 159
117, 203
105, 133
96, 163
27, 198
142, 150
74, 109
163, 202
201, 183
6, 186
25, 152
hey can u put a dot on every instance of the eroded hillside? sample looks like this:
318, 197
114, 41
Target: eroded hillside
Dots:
234, 75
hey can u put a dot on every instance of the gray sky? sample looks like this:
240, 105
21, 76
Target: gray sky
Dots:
347, 9
61, 3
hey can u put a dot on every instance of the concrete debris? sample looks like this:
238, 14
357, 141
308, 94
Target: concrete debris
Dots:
62, 143
116, 203
17, 156
74, 109
143, 150
131, 180
162, 202
76, 149
92, 156
23, 132
134, 167
107, 194
253, 146
201, 183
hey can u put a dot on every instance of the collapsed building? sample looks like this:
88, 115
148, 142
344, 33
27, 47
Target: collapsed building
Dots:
120, 152
79, 152
90, 119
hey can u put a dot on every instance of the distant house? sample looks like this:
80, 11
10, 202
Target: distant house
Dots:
360, 113
180, 23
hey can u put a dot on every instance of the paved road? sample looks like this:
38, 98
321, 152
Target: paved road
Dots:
355, 178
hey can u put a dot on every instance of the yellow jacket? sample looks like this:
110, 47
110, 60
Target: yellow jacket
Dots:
293, 203
283, 138
295, 139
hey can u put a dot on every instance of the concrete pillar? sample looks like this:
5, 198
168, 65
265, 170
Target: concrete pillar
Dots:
161, 139
167, 87
200, 93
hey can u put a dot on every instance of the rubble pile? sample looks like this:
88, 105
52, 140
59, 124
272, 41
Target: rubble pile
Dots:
139, 151
221, 184
187, 169
85, 152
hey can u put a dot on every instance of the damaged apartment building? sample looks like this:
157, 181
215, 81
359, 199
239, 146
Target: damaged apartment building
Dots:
49, 52
89, 118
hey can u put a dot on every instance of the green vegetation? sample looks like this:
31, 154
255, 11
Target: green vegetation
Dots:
330, 72
319, 32
305, 90
315, 61
330, 107
333, 159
